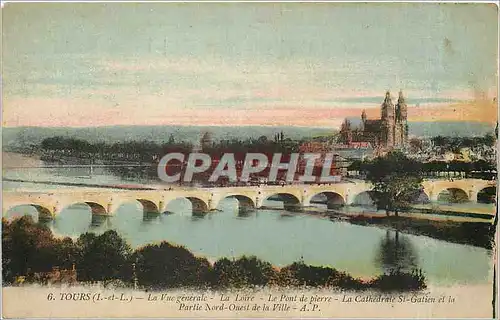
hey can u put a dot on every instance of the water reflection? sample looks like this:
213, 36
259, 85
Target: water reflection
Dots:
150, 216
396, 252
198, 216
99, 221
244, 212
74, 220
281, 237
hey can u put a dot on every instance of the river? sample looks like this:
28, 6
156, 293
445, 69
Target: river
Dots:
274, 235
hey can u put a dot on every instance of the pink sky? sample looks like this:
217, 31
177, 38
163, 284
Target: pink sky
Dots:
271, 64
77, 113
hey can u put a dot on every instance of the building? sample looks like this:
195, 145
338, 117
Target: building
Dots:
339, 164
388, 132
206, 140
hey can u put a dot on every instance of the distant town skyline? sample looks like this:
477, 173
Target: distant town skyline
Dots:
283, 64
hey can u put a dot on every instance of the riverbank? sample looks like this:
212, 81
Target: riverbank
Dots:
83, 185
19, 160
479, 234
457, 227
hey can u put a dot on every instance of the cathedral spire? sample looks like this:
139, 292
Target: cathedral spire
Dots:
402, 108
401, 98
401, 129
387, 96
387, 107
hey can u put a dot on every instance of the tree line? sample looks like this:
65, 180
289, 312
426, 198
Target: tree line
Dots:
456, 143
129, 150
428, 168
30, 248
148, 150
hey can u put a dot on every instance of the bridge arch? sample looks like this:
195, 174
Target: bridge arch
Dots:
42, 212
244, 202
487, 195
148, 206
452, 195
421, 197
198, 206
95, 208
332, 199
290, 201
364, 198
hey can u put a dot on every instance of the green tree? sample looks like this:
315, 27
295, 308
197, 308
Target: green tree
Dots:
103, 257
356, 165
299, 274
415, 144
28, 247
397, 181
244, 272
168, 266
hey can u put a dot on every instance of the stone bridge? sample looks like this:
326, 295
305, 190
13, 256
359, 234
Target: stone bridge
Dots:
106, 201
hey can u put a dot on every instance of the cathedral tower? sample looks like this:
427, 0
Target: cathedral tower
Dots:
388, 132
388, 121
401, 125
363, 120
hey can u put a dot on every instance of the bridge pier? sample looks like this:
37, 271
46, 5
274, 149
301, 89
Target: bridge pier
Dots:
212, 205
306, 202
162, 206
258, 201
109, 208
433, 197
54, 212
473, 195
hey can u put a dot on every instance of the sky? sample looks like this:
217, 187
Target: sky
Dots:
293, 64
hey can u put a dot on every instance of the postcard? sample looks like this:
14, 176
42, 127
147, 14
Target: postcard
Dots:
249, 160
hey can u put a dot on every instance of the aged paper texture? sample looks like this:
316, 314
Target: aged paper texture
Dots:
249, 160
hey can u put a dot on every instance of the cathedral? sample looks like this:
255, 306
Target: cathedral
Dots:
388, 132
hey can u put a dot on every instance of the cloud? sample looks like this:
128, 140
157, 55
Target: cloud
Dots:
107, 90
